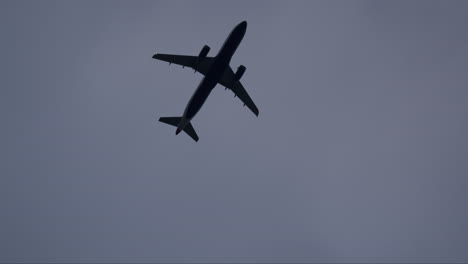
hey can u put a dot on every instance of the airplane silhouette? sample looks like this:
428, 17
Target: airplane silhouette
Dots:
216, 70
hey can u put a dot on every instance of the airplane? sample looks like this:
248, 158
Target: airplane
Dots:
215, 70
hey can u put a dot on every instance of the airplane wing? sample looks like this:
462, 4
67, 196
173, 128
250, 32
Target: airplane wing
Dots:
229, 81
201, 65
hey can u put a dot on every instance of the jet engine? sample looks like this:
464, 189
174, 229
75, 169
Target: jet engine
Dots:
204, 51
240, 71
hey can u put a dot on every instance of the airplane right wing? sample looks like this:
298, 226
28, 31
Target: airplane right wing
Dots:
199, 64
228, 80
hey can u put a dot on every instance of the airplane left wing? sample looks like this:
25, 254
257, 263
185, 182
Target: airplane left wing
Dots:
229, 81
199, 64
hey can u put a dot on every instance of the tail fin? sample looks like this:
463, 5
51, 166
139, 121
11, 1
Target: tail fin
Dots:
175, 121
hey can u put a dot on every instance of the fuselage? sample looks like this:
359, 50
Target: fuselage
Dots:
215, 73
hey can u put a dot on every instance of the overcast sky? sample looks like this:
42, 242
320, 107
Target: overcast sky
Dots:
359, 152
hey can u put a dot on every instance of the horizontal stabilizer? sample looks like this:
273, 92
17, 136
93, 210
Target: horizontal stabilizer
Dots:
191, 132
175, 121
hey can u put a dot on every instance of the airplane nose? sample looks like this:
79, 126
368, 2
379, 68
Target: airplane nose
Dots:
241, 27
243, 24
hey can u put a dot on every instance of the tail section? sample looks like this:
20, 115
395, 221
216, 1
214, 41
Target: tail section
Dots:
175, 121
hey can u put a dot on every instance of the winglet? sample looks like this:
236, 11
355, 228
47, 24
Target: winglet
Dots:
254, 109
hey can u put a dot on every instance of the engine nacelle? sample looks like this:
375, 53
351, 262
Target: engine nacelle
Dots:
204, 51
240, 71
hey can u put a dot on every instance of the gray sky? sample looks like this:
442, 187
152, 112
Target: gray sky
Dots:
359, 152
